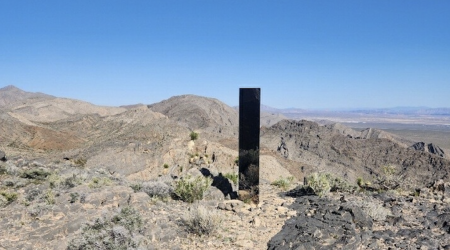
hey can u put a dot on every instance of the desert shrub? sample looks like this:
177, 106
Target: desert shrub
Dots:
319, 183
80, 162
283, 183
193, 135
9, 197
157, 189
116, 232
98, 182
390, 179
232, 177
49, 197
323, 183
12, 169
73, 197
338, 184
3, 170
166, 165
137, 186
202, 221
35, 173
191, 189
56, 181
360, 182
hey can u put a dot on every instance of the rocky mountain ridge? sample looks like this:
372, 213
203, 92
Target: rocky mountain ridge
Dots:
67, 162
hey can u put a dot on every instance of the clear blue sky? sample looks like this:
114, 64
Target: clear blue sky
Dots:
305, 54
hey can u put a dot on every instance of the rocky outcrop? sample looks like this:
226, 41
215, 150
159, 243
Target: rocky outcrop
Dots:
374, 221
430, 148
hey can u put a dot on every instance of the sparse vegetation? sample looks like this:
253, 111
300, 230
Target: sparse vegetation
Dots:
74, 197
360, 182
193, 135
390, 179
202, 221
166, 165
3, 170
323, 183
98, 182
192, 189
283, 183
319, 184
8, 196
35, 173
50, 197
232, 177
137, 186
81, 162
117, 232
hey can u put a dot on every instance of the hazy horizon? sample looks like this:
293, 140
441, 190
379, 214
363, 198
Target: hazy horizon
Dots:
303, 54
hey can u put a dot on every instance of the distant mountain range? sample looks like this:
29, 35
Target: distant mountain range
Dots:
391, 111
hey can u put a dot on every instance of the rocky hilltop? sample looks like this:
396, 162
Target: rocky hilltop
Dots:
197, 112
74, 175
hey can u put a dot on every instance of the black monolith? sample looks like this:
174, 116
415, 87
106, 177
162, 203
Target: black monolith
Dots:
249, 125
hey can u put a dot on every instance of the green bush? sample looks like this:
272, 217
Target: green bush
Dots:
193, 135
202, 221
166, 165
192, 189
319, 183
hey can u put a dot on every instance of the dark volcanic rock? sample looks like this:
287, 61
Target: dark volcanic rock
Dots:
430, 148
322, 224
2, 156
356, 224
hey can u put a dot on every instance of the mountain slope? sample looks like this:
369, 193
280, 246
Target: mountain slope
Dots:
200, 113
331, 151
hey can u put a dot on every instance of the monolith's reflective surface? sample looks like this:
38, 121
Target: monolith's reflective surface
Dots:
249, 125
